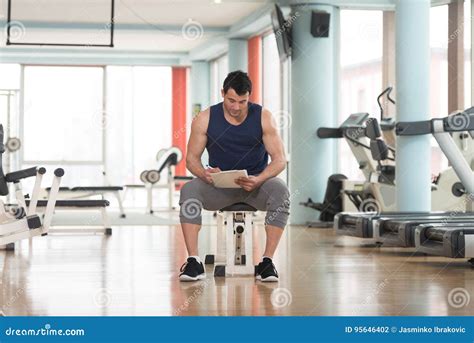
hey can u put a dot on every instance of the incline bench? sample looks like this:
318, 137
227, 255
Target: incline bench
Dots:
87, 192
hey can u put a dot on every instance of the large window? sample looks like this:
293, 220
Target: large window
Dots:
61, 122
9, 98
139, 125
361, 74
439, 43
63, 114
438, 78
66, 122
361, 81
439, 61
88, 120
9, 114
275, 90
467, 54
271, 68
219, 71
10, 76
9, 110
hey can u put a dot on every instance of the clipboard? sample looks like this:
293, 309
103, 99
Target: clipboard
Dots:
226, 178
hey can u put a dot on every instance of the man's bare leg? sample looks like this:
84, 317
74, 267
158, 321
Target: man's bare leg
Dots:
266, 270
191, 234
273, 238
193, 268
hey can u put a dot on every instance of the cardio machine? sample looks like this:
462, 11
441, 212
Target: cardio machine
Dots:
376, 193
451, 237
353, 130
366, 138
353, 192
447, 195
449, 234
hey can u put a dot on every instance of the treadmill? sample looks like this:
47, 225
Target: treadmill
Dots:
406, 229
382, 226
454, 240
451, 237
401, 231
368, 225
360, 224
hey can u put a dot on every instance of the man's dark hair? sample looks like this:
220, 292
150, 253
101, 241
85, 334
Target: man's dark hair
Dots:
239, 82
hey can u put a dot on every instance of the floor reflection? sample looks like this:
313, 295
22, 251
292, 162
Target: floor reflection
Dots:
134, 273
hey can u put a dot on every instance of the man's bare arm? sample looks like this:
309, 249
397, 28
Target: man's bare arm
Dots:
197, 143
273, 145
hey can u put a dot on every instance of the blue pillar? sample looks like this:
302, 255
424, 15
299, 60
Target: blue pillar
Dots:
314, 75
413, 75
238, 54
200, 84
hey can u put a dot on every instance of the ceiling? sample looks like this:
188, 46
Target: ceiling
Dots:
207, 12
152, 25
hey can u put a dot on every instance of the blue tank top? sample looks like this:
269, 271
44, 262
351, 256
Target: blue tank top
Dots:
236, 146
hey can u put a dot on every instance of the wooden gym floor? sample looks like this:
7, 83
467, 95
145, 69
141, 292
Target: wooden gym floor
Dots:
134, 273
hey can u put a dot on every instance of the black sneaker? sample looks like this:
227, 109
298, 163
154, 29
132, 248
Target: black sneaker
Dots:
266, 271
192, 270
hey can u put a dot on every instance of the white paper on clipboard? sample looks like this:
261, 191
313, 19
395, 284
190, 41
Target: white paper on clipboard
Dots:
226, 179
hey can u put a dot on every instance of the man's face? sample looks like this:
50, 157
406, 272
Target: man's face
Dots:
235, 104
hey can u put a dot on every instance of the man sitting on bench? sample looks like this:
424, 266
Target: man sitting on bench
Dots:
237, 135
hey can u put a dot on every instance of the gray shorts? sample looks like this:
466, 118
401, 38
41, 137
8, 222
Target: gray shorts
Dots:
272, 196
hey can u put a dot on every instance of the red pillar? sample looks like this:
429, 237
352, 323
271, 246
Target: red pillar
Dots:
255, 68
179, 106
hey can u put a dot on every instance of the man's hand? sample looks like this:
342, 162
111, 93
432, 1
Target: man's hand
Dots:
207, 174
249, 183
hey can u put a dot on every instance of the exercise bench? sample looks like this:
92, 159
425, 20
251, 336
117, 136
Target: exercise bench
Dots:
81, 204
67, 193
234, 241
